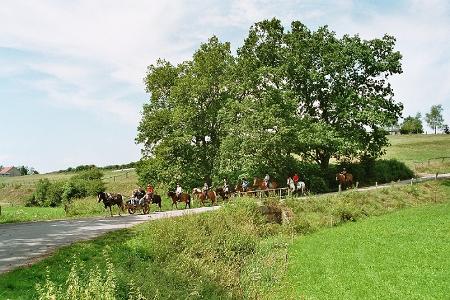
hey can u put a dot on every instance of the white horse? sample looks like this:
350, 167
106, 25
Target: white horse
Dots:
300, 186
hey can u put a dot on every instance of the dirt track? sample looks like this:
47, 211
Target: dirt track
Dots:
24, 243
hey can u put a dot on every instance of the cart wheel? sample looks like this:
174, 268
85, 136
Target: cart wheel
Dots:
131, 210
146, 209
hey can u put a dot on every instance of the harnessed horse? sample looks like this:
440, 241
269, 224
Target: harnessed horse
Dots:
110, 200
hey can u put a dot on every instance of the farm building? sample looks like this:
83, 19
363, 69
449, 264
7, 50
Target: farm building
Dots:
9, 171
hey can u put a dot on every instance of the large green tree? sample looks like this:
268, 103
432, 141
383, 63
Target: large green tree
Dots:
285, 94
434, 118
180, 129
314, 94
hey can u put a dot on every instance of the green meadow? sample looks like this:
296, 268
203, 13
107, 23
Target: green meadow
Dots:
421, 152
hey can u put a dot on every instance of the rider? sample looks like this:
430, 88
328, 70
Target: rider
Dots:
205, 189
266, 180
295, 179
244, 184
344, 172
225, 186
178, 191
150, 191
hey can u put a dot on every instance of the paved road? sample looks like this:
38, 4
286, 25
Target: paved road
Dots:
25, 243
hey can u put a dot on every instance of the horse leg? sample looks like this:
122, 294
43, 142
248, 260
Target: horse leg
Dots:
110, 210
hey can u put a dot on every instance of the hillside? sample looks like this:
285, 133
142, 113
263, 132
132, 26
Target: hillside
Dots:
421, 152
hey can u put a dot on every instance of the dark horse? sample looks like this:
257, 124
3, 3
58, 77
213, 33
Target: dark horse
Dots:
226, 195
186, 198
155, 199
345, 180
110, 200
151, 198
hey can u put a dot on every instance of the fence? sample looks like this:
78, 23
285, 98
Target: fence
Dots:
430, 161
276, 192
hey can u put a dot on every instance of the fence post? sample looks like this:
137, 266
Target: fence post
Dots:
357, 184
376, 184
412, 180
340, 188
114, 178
436, 176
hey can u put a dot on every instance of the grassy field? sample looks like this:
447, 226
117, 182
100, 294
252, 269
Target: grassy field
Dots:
236, 253
403, 255
415, 151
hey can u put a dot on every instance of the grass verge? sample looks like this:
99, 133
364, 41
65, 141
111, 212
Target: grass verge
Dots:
403, 255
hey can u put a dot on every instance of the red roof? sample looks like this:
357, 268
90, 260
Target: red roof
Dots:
5, 170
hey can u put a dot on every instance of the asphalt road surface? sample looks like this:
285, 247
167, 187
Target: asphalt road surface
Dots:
25, 243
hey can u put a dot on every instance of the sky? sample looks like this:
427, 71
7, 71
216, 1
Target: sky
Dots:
71, 72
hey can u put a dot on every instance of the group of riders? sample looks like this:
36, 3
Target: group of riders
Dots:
293, 182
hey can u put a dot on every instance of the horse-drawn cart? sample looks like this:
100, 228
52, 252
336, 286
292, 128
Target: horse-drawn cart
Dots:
134, 205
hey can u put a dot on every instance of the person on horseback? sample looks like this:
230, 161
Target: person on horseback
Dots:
205, 189
266, 181
178, 191
225, 186
245, 184
344, 172
150, 191
295, 179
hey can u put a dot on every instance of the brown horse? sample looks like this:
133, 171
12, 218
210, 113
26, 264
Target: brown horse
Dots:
211, 196
186, 198
240, 191
345, 180
259, 183
110, 200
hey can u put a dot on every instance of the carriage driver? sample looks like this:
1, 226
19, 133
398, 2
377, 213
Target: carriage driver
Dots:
266, 180
178, 191
205, 189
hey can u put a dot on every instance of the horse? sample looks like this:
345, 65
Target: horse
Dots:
186, 198
249, 191
110, 200
154, 199
211, 196
260, 184
345, 180
296, 189
196, 192
224, 195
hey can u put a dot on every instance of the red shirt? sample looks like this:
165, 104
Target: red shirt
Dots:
295, 178
149, 189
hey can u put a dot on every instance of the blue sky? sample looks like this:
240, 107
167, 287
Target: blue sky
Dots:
71, 72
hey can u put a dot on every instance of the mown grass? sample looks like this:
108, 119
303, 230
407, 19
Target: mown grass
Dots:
231, 253
416, 148
403, 255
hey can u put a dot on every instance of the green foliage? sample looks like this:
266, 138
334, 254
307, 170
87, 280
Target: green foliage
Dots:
300, 92
412, 125
434, 118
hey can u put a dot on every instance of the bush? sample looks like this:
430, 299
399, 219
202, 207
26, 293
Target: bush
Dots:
84, 184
